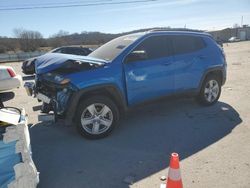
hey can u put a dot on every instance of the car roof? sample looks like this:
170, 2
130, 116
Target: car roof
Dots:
80, 47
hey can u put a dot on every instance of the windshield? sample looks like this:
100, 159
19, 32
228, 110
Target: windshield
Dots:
113, 48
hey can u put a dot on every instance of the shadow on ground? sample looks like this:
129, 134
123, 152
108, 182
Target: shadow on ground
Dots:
139, 147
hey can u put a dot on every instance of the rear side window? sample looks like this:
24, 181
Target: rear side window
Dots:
69, 51
187, 44
78, 51
156, 47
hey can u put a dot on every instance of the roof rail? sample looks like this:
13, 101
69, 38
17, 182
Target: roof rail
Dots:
188, 30
152, 30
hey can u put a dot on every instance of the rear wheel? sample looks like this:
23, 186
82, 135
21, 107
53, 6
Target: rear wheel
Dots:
97, 117
210, 90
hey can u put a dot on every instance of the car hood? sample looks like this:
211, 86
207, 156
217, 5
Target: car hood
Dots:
51, 61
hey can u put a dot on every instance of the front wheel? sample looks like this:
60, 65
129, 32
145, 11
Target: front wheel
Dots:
210, 91
97, 117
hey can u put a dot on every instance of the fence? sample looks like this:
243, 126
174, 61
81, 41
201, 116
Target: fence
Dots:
20, 56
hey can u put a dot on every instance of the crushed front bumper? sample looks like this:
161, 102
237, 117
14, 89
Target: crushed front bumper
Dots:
55, 97
29, 87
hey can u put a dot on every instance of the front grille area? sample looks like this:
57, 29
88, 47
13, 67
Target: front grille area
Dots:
56, 92
46, 88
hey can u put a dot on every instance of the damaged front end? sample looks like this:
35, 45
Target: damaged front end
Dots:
53, 90
53, 86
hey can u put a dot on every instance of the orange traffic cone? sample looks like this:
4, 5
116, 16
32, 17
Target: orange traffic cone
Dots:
174, 174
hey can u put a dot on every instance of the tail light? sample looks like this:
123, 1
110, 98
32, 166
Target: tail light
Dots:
11, 72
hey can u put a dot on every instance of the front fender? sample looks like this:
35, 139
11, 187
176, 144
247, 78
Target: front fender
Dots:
102, 88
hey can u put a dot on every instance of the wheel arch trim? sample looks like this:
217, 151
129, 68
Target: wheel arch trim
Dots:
102, 88
209, 71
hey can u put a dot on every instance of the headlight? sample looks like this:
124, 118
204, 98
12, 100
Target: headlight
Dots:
61, 79
65, 81
58, 78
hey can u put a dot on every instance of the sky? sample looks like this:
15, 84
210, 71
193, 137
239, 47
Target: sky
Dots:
115, 17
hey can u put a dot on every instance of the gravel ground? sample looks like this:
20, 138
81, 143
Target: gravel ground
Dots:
213, 142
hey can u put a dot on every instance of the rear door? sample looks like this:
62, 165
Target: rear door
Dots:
153, 76
190, 59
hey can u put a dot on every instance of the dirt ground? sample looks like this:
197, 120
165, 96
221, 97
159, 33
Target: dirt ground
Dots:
213, 142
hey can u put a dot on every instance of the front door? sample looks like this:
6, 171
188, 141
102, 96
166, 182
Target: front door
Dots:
149, 70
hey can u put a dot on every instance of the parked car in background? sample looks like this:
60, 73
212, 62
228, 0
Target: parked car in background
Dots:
234, 39
72, 50
95, 90
9, 79
28, 66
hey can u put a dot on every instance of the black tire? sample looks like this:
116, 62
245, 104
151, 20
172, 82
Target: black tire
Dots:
202, 98
96, 100
46, 108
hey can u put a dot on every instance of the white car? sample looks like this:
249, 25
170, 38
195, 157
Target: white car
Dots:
234, 39
9, 79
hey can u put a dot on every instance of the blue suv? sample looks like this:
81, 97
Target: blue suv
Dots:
94, 91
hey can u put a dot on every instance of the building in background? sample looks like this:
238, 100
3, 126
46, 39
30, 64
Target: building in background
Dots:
243, 33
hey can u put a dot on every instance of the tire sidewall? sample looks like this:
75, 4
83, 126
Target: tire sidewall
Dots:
201, 97
96, 99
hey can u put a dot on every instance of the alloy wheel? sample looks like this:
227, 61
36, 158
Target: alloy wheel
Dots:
211, 91
96, 118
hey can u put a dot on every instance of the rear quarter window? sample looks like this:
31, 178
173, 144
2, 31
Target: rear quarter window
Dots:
188, 44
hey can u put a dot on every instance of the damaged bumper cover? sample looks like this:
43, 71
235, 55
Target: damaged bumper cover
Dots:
52, 85
54, 96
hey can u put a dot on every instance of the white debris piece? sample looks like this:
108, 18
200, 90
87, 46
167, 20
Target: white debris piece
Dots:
9, 116
11, 134
26, 175
163, 178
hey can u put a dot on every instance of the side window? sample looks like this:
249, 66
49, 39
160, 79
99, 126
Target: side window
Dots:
155, 47
81, 51
199, 43
63, 50
68, 50
58, 50
74, 51
188, 44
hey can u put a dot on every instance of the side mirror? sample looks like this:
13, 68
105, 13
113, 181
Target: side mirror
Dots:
136, 56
